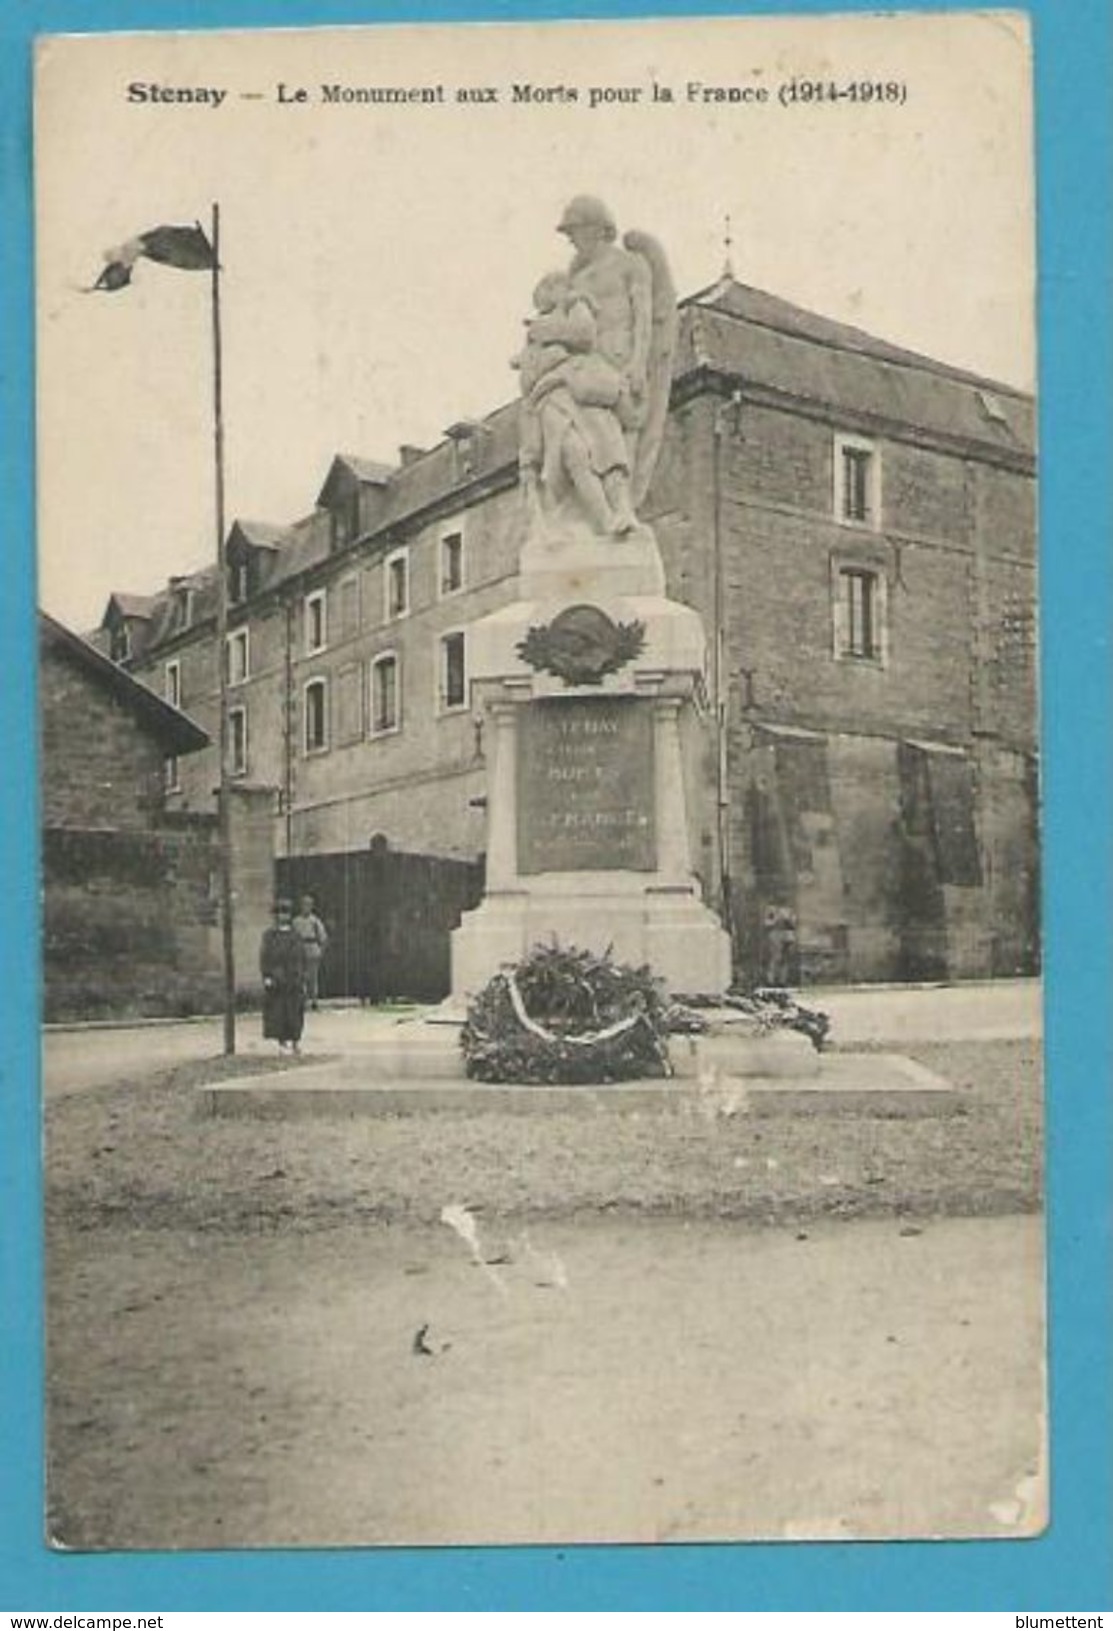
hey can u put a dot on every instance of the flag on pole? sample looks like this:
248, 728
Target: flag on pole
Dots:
185, 247
192, 250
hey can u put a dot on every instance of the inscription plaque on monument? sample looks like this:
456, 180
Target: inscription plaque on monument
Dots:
585, 785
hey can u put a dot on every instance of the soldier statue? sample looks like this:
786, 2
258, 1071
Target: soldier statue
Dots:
595, 376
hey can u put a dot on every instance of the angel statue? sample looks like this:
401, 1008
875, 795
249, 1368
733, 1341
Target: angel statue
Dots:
595, 374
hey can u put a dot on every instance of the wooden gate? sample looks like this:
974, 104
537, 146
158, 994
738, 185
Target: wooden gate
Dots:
389, 916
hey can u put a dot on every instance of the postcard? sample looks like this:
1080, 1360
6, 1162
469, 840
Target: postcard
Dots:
540, 783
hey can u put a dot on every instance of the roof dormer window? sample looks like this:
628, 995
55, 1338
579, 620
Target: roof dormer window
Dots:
350, 495
346, 520
183, 609
466, 438
239, 580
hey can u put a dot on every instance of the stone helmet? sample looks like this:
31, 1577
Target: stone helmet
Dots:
586, 211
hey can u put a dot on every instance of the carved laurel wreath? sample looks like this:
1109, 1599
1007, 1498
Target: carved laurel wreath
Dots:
581, 645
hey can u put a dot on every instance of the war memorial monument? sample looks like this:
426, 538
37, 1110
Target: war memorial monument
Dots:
590, 688
590, 682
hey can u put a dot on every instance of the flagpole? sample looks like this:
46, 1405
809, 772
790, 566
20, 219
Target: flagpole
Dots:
224, 823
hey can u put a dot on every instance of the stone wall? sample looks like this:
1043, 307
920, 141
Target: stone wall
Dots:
131, 918
98, 769
131, 890
841, 850
946, 524
130, 922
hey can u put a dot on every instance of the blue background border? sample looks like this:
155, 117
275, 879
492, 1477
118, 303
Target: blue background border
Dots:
1071, 1567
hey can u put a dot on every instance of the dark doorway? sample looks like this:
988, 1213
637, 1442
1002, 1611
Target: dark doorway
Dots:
389, 917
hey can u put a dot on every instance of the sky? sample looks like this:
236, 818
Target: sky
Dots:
378, 259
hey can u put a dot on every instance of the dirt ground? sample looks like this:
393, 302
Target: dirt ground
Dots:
142, 1152
643, 1381
679, 1328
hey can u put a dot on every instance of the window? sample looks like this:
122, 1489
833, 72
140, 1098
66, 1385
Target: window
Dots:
452, 689
397, 567
119, 643
452, 563
345, 520
859, 608
347, 705
465, 436
386, 713
857, 482
239, 580
347, 619
183, 610
316, 716
860, 589
239, 663
316, 621
237, 741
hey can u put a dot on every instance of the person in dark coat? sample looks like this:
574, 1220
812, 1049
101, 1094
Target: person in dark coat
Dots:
282, 965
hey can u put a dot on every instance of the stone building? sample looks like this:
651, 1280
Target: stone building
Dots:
126, 899
856, 526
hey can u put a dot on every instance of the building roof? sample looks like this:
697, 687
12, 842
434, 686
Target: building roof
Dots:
367, 472
412, 487
366, 469
308, 542
176, 731
771, 343
764, 342
131, 605
260, 534
165, 615
773, 311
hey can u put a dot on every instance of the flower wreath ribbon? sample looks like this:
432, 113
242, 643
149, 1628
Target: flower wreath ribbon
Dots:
586, 1039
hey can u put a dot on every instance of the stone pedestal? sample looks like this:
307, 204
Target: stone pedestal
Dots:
587, 804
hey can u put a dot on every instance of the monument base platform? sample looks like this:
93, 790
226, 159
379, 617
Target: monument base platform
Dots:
431, 1081
670, 930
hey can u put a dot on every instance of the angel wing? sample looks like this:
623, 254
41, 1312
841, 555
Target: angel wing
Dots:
662, 345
